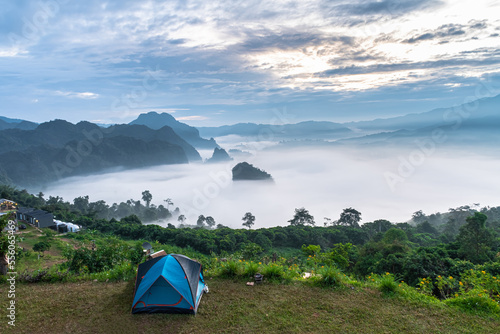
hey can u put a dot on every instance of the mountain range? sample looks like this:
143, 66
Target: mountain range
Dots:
34, 154
58, 149
308, 129
190, 134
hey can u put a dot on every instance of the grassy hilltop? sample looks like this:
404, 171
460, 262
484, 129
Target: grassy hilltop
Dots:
61, 301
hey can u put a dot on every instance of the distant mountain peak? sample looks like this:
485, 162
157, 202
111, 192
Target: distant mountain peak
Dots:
219, 155
155, 121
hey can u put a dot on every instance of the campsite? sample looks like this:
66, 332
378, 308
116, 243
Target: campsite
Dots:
86, 282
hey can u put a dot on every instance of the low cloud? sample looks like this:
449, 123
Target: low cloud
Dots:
324, 180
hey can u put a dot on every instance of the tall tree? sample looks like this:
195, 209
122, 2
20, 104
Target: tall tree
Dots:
350, 217
301, 217
475, 239
169, 202
248, 220
147, 197
210, 221
181, 219
201, 220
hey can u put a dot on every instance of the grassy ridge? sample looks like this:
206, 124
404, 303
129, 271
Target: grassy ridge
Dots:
232, 307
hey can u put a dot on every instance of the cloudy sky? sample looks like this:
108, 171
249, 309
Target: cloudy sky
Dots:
223, 62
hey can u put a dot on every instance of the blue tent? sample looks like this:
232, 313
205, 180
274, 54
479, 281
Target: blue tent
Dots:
171, 283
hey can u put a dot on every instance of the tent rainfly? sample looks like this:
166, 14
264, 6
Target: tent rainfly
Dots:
171, 284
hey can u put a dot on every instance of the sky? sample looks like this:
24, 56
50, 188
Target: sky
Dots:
211, 63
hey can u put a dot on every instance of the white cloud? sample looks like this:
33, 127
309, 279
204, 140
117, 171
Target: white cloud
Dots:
192, 118
78, 95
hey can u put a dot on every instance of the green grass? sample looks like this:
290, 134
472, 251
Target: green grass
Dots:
233, 307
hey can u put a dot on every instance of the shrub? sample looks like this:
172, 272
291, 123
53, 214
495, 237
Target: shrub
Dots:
230, 269
328, 277
388, 285
251, 268
273, 272
474, 301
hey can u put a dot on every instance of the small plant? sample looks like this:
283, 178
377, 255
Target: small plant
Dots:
388, 285
251, 268
273, 272
328, 277
230, 269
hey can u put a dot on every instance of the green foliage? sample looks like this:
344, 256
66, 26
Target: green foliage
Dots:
301, 217
475, 239
311, 250
273, 272
329, 277
89, 261
388, 285
230, 269
350, 217
339, 255
475, 302
41, 246
251, 268
251, 251
395, 235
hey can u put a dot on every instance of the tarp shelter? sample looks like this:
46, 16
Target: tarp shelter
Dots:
172, 283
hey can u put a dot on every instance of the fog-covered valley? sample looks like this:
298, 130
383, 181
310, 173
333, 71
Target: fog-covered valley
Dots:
381, 183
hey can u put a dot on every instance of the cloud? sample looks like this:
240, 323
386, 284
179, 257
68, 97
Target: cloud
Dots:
78, 95
192, 118
448, 31
355, 13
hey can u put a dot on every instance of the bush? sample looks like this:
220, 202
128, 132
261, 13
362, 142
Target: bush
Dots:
329, 277
388, 285
251, 268
273, 272
475, 301
230, 269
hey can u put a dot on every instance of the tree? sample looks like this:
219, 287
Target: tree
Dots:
475, 239
248, 220
169, 202
350, 217
418, 216
201, 220
210, 221
132, 219
147, 197
301, 217
181, 219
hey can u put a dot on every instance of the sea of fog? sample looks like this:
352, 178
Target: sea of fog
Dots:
323, 179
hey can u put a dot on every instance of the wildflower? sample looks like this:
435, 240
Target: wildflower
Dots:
456, 294
260, 262
387, 273
450, 277
439, 276
460, 283
422, 282
484, 272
